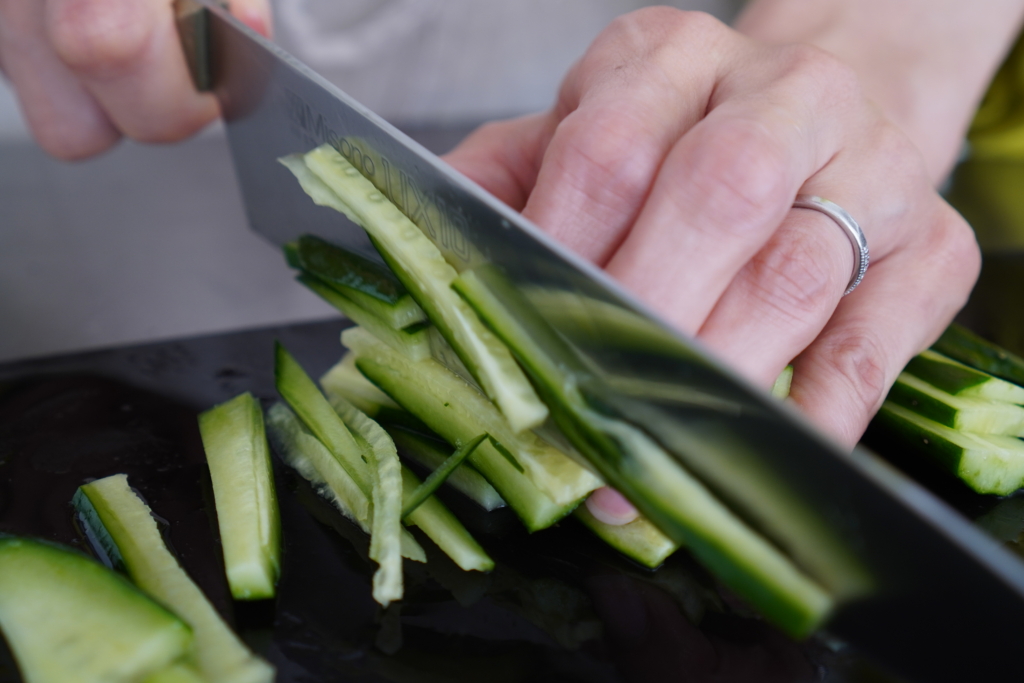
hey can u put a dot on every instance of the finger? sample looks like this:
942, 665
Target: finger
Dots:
128, 56
63, 117
841, 379
255, 14
619, 111
727, 185
504, 157
611, 507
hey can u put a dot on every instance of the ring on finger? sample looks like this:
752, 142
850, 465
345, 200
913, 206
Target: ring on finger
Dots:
852, 229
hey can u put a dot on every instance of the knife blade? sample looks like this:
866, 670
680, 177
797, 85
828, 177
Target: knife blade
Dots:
932, 597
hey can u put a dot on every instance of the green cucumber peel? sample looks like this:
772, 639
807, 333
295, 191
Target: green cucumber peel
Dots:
961, 380
440, 475
959, 343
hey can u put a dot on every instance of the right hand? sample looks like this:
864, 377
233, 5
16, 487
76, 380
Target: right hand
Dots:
88, 72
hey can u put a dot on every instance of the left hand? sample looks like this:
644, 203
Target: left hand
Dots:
672, 159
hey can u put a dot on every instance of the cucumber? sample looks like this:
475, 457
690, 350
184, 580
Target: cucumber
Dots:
638, 540
958, 379
677, 503
456, 411
442, 527
977, 415
431, 455
413, 341
370, 285
299, 392
959, 343
439, 476
176, 673
783, 383
128, 535
243, 489
987, 464
421, 267
305, 454
68, 618
345, 380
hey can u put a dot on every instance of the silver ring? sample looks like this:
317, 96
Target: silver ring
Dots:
849, 226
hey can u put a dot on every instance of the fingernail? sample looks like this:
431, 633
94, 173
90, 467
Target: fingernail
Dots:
611, 507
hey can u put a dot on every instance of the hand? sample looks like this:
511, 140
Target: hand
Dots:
89, 71
672, 159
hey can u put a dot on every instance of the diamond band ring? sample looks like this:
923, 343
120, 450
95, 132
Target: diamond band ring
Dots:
849, 226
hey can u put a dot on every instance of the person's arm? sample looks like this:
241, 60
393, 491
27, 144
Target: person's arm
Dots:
927, 63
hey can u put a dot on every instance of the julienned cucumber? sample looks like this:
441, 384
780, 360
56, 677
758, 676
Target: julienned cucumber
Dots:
345, 380
421, 267
634, 464
958, 379
243, 488
456, 411
988, 464
978, 415
68, 618
413, 341
959, 343
370, 285
639, 540
126, 531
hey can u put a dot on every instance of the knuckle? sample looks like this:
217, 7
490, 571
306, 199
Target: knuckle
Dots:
821, 71
858, 358
794, 279
100, 39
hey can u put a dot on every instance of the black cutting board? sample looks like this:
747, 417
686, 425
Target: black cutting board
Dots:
560, 606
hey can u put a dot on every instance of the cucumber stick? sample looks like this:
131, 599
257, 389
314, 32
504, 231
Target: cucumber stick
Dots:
370, 285
305, 454
456, 411
675, 501
243, 488
957, 379
439, 476
978, 415
639, 540
422, 269
345, 380
431, 455
444, 529
128, 534
68, 618
988, 464
414, 342
959, 343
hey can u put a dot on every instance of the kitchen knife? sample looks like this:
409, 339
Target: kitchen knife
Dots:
933, 598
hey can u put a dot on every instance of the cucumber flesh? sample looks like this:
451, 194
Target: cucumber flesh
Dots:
421, 267
959, 343
243, 488
444, 529
299, 391
431, 455
304, 453
176, 673
114, 512
638, 540
344, 379
677, 503
977, 415
456, 411
988, 464
68, 618
414, 342
957, 379
370, 285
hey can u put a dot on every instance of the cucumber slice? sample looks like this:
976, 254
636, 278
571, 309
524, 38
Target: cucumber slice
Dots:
977, 415
243, 489
305, 454
780, 389
345, 380
459, 413
444, 529
959, 343
665, 492
422, 269
299, 391
176, 673
957, 379
68, 618
386, 497
431, 455
638, 540
370, 285
127, 532
413, 341
988, 464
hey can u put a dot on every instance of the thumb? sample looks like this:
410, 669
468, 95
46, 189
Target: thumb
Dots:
255, 14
